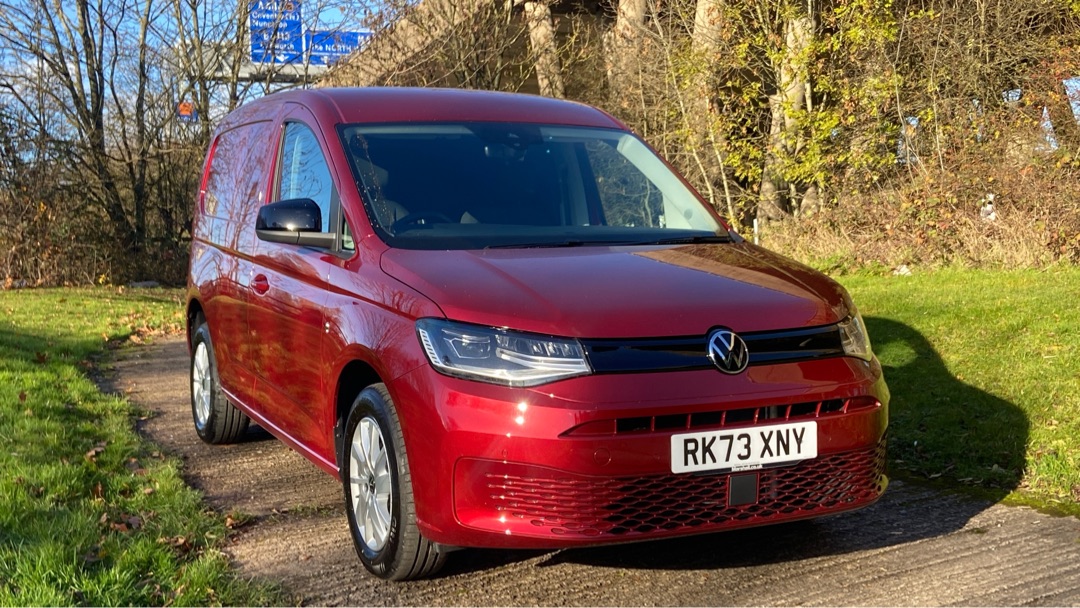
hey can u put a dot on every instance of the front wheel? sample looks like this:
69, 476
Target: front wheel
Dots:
378, 492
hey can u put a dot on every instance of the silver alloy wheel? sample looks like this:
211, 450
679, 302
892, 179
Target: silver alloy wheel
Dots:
200, 383
370, 484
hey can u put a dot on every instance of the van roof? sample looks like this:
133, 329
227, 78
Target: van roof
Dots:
403, 104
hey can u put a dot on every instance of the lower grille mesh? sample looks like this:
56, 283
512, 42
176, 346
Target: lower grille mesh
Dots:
626, 507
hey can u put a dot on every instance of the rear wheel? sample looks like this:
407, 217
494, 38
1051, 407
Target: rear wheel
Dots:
216, 420
378, 492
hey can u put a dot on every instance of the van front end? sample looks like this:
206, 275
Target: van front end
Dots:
625, 457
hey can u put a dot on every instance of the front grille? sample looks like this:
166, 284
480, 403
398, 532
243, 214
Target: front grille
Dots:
684, 353
581, 506
722, 418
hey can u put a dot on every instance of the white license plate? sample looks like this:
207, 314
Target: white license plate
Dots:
743, 449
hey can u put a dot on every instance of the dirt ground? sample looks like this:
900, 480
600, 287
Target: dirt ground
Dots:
915, 547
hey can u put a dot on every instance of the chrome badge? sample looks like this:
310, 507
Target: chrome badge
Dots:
727, 351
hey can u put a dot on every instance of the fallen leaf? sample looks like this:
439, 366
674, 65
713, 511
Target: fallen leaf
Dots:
98, 492
180, 543
135, 467
94, 451
41, 357
22, 396
148, 491
235, 522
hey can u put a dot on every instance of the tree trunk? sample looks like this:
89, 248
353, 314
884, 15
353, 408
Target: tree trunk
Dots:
623, 47
542, 41
706, 26
772, 204
778, 198
708, 143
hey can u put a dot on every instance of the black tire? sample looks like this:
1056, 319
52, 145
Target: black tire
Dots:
380, 488
216, 420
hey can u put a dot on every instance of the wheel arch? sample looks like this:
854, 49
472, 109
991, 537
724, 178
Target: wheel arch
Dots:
355, 376
194, 310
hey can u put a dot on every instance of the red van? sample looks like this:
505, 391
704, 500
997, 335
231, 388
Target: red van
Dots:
503, 321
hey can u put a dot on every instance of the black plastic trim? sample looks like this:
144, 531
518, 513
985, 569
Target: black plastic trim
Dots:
686, 353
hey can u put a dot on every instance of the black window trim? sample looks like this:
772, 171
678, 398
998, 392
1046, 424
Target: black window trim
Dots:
337, 214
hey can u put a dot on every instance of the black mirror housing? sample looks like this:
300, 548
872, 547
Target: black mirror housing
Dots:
294, 215
296, 221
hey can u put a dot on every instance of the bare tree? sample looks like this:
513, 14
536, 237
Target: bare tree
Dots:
466, 43
476, 44
82, 49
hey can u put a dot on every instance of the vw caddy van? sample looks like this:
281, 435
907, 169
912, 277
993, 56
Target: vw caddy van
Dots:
503, 321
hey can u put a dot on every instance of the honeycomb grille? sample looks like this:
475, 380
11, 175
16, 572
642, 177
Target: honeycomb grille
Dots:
724, 418
627, 507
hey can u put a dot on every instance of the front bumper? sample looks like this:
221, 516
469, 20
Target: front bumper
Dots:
587, 461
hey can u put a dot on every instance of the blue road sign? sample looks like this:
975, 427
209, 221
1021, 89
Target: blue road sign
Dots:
326, 47
276, 31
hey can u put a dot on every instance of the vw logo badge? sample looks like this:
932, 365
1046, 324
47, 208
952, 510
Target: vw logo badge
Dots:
727, 351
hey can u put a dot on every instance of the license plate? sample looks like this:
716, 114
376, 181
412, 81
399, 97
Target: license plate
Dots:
743, 449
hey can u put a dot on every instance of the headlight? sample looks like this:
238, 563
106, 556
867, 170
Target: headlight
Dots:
853, 336
499, 356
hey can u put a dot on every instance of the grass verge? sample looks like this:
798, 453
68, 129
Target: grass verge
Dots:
984, 368
94, 515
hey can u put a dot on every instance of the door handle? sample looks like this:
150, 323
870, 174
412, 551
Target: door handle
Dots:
260, 284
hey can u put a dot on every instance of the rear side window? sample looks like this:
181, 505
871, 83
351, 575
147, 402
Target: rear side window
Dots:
304, 172
236, 180
236, 170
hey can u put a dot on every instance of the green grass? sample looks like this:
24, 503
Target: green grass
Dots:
983, 366
984, 369
92, 514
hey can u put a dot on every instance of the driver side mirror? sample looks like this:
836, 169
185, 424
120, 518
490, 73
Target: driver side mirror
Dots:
296, 221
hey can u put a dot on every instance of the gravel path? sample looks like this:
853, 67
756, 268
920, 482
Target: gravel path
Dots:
915, 547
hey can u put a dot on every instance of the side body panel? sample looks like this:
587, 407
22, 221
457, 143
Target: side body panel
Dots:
287, 322
234, 187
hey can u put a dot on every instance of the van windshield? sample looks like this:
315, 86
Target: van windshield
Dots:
486, 185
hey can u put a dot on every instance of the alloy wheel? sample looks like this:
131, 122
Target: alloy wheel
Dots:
200, 383
370, 483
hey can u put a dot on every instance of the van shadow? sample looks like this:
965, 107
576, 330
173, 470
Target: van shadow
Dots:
940, 428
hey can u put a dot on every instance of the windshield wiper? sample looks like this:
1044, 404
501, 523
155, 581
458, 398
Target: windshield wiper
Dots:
675, 240
687, 240
566, 243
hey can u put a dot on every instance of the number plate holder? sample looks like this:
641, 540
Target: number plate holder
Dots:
743, 449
